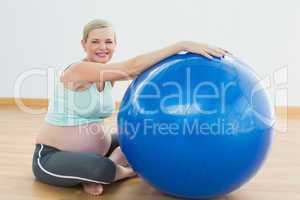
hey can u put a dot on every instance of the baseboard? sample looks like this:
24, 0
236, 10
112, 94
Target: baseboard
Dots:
9, 101
293, 111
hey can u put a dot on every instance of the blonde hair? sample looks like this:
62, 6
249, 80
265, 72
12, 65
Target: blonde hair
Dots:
95, 24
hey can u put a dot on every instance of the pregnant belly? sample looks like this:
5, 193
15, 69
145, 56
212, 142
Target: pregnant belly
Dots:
84, 138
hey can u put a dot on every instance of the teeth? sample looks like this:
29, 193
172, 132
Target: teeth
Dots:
101, 54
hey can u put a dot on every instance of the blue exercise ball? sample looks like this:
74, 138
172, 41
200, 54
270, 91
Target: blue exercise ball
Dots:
194, 127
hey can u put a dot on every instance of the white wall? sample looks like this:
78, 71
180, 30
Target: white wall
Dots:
39, 34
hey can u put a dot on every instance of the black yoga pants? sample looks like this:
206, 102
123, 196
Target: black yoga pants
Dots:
67, 169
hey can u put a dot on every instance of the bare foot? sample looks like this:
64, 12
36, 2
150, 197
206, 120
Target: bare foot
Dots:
118, 157
124, 172
93, 188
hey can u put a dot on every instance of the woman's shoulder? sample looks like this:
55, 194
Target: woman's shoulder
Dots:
71, 85
70, 65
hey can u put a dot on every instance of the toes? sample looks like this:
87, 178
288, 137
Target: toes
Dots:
99, 189
131, 172
93, 189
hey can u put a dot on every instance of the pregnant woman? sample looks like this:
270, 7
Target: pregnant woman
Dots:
72, 147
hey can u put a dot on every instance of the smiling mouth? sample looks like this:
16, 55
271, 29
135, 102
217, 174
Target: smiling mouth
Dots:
101, 55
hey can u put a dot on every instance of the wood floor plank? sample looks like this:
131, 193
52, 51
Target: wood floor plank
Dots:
279, 179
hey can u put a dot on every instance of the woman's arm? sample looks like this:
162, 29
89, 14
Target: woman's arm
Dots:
94, 72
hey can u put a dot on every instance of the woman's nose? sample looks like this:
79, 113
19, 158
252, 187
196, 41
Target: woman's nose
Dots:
102, 46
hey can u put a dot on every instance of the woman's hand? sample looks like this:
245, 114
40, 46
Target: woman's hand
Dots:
203, 49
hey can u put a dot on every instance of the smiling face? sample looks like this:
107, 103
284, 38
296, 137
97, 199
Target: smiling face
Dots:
99, 45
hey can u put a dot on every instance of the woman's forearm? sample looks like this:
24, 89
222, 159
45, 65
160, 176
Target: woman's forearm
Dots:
138, 64
94, 72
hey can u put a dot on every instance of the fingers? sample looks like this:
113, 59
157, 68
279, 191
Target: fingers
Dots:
211, 52
215, 52
220, 51
203, 52
224, 51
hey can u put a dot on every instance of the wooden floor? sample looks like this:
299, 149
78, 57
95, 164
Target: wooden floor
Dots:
279, 179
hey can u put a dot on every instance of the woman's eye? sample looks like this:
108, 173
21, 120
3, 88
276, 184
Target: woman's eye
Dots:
108, 42
94, 42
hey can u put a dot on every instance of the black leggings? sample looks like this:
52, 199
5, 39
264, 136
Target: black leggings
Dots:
65, 168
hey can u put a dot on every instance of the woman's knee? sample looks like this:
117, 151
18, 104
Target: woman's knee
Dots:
104, 170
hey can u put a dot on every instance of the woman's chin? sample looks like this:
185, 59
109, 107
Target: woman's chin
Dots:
101, 60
